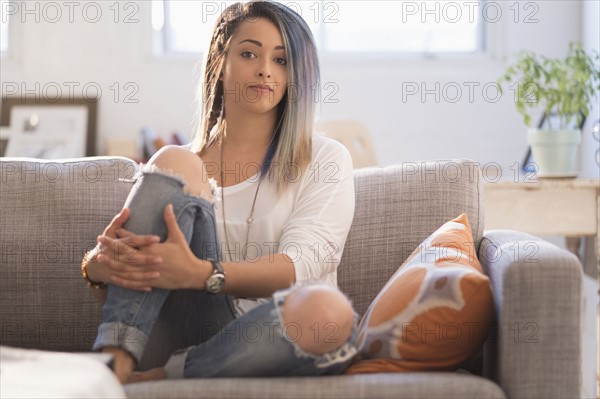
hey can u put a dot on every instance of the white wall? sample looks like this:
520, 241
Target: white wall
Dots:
105, 53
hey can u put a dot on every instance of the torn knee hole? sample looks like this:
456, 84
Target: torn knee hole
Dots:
208, 194
330, 326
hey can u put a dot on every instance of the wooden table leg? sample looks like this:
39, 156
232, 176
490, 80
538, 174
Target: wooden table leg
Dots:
573, 244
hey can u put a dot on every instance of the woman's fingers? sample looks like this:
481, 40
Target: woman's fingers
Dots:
128, 276
122, 233
116, 222
111, 249
117, 251
128, 267
135, 240
128, 272
174, 232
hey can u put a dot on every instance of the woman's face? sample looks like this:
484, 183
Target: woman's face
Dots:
255, 72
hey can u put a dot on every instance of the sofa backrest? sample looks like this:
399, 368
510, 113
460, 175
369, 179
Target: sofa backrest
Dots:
51, 213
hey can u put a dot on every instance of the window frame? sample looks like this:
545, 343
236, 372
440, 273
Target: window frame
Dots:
12, 57
489, 46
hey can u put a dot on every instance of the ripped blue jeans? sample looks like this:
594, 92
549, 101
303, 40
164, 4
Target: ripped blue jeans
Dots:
200, 331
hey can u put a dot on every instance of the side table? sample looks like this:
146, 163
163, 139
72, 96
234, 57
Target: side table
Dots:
550, 207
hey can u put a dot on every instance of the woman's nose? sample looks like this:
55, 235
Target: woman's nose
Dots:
264, 71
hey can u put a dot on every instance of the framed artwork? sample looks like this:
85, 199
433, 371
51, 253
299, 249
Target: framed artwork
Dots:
48, 130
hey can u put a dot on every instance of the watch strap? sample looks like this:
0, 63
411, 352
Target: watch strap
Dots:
217, 267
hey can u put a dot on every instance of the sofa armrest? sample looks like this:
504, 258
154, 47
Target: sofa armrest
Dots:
535, 351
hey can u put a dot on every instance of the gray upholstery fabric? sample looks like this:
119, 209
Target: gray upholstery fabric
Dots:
537, 290
397, 207
51, 214
409, 386
52, 211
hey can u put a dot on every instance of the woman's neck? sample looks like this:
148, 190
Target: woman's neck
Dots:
249, 133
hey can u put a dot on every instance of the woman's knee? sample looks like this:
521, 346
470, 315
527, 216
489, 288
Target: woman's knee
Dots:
323, 315
186, 165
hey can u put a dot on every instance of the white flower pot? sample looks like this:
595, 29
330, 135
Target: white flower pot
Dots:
555, 152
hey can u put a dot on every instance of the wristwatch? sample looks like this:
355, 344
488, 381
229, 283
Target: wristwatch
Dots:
216, 281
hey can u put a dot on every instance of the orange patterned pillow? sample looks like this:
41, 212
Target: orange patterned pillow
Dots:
433, 313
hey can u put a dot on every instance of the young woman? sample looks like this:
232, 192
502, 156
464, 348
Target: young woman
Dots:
256, 214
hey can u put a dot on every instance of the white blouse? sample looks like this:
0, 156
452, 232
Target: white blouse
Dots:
309, 222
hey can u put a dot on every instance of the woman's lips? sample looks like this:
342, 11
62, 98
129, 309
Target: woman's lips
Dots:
261, 88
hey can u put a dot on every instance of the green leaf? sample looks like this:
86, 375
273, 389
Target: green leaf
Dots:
565, 86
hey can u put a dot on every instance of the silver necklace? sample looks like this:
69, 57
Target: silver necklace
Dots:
248, 221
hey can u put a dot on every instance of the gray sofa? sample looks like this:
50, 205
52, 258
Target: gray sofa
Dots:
51, 213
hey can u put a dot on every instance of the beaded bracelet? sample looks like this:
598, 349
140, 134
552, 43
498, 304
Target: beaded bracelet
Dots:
84, 273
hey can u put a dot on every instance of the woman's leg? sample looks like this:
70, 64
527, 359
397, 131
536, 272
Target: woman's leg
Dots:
129, 316
304, 330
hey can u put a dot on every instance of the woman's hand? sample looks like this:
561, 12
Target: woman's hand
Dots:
179, 262
119, 256
177, 265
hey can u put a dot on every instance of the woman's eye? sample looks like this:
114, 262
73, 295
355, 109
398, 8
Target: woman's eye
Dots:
281, 61
248, 54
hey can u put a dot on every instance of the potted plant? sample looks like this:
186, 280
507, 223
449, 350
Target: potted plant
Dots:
564, 88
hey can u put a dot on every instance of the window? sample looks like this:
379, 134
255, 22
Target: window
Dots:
3, 29
381, 26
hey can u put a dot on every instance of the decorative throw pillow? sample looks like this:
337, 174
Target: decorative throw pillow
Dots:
433, 313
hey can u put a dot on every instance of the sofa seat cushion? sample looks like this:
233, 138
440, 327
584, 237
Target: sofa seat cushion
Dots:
434, 312
385, 385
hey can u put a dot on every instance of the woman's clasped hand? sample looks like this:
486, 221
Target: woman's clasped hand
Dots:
142, 262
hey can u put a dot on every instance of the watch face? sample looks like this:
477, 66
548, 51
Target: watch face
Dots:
214, 283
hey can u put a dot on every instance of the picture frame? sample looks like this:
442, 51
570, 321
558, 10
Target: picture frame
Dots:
48, 129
